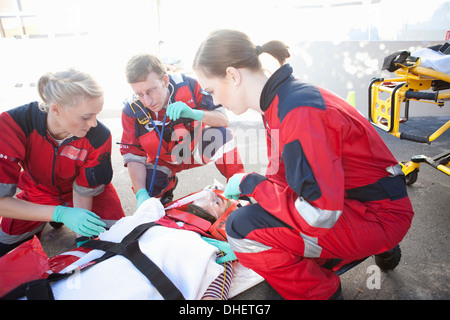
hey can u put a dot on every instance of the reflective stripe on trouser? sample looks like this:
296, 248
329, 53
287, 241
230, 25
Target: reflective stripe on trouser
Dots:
106, 205
274, 250
11, 239
284, 255
18, 238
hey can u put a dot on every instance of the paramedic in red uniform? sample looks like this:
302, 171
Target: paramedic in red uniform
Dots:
59, 156
172, 121
333, 190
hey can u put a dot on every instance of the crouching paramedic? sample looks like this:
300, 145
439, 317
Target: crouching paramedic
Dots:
59, 156
337, 193
164, 130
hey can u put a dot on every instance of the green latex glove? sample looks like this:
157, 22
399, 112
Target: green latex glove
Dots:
232, 190
79, 220
141, 196
179, 110
224, 247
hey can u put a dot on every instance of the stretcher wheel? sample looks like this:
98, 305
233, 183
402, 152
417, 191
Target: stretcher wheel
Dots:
411, 177
389, 259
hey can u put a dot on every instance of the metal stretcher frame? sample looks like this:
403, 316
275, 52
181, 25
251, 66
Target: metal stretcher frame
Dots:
410, 82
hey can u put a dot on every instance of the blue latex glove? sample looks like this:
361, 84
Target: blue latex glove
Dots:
179, 110
224, 247
232, 190
141, 196
79, 220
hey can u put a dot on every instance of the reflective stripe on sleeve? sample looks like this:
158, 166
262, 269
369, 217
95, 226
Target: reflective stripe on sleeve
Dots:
129, 157
88, 192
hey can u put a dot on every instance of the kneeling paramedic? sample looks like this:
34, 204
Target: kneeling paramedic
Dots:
332, 190
164, 130
59, 156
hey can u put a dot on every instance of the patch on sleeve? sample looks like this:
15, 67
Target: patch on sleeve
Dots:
101, 173
74, 153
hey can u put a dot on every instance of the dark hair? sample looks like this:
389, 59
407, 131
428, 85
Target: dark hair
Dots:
231, 48
200, 212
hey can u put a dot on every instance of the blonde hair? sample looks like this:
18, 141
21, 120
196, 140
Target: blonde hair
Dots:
140, 66
67, 88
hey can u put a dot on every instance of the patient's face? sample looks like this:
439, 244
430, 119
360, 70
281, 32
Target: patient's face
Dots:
219, 206
214, 205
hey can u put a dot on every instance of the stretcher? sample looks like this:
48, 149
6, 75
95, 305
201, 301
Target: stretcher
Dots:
414, 80
27, 271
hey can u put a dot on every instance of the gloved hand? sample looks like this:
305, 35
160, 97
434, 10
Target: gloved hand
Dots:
79, 220
224, 247
179, 110
141, 196
232, 190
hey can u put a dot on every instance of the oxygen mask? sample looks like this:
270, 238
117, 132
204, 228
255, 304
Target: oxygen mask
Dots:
211, 203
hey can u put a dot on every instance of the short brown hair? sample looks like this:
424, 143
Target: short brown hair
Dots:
140, 66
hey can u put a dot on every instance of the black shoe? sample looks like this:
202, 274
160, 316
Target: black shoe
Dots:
337, 295
168, 195
56, 225
388, 260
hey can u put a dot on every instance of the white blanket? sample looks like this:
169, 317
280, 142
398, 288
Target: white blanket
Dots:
186, 259
433, 60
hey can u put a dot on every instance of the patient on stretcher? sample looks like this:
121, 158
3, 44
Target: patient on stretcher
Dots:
177, 247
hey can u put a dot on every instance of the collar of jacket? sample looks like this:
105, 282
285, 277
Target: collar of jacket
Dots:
270, 88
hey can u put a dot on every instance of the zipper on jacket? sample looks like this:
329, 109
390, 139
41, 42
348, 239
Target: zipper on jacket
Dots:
268, 131
55, 153
93, 175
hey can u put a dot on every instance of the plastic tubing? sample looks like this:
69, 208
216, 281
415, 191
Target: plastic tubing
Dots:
188, 199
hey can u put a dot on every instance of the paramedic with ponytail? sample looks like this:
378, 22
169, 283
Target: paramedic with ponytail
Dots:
332, 190
170, 125
59, 156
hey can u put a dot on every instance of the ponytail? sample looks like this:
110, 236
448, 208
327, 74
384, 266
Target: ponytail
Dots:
230, 48
67, 88
278, 50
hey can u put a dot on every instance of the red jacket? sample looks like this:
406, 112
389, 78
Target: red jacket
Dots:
324, 152
50, 173
140, 141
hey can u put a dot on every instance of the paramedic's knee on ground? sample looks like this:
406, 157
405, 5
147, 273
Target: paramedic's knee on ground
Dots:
246, 221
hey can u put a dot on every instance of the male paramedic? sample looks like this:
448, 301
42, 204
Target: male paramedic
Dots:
59, 156
337, 193
171, 125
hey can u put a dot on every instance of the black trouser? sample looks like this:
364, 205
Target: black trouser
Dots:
5, 248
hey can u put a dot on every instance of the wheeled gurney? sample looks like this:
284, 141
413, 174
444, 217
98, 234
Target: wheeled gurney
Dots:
414, 81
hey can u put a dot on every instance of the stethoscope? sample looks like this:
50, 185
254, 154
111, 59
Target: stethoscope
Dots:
160, 132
